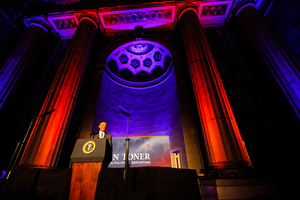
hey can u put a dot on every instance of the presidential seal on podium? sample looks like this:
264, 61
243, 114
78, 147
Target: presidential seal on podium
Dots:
89, 147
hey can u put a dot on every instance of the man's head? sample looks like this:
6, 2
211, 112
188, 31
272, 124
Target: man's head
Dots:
102, 126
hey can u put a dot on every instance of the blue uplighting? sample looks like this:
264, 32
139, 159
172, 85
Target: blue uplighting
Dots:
3, 174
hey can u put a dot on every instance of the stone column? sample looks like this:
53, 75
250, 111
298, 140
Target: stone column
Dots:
191, 135
47, 136
223, 142
90, 110
281, 63
28, 48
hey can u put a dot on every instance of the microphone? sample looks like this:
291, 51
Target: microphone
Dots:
46, 113
125, 110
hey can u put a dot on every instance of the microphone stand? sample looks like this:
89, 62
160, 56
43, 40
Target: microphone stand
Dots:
19, 148
126, 157
125, 174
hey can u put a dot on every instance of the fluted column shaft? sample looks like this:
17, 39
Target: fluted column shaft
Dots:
47, 136
284, 67
29, 46
223, 142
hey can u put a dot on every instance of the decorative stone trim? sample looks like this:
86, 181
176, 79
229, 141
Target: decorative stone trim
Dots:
65, 23
213, 10
134, 17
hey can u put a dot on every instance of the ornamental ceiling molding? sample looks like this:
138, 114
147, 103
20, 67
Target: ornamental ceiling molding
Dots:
214, 13
113, 20
161, 16
133, 17
66, 23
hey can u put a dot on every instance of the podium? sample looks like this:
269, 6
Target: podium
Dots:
88, 156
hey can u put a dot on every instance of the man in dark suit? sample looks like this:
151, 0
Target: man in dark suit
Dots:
101, 134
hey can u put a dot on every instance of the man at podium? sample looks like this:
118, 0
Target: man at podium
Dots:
101, 134
89, 157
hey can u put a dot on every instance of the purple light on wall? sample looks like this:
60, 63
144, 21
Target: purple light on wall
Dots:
4, 87
155, 111
155, 107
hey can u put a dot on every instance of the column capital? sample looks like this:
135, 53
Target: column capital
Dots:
241, 4
91, 16
186, 7
40, 21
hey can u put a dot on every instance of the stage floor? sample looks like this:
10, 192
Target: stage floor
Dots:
142, 183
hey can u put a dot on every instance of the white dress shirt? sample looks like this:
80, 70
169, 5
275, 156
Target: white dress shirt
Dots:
101, 134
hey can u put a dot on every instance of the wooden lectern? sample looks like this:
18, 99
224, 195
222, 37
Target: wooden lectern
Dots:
87, 157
